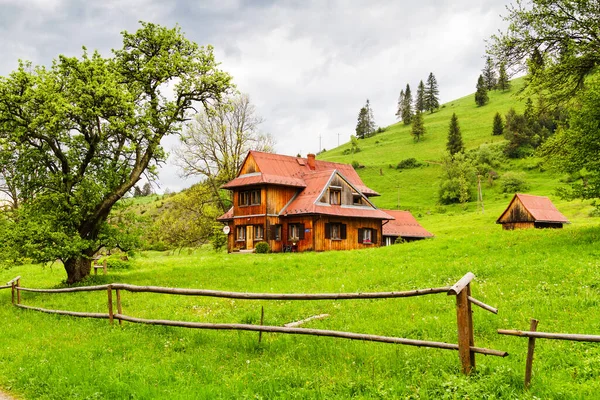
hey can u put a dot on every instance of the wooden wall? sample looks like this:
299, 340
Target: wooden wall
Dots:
516, 213
352, 227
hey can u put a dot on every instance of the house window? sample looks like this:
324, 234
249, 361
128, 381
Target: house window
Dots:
335, 231
335, 196
295, 232
249, 198
367, 236
276, 232
259, 232
357, 199
240, 233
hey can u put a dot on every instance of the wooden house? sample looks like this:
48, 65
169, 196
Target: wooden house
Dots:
528, 211
300, 204
404, 226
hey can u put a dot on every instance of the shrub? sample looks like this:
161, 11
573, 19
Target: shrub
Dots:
262, 247
513, 182
409, 163
355, 164
115, 263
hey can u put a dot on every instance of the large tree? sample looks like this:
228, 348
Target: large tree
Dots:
481, 96
407, 111
216, 141
84, 130
365, 126
455, 142
432, 101
565, 34
489, 75
420, 98
418, 127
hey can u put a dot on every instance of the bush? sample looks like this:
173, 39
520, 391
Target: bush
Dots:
262, 247
115, 263
355, 164
409, 163
513, 182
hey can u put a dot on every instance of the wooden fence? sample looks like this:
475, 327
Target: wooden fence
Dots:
532, 334
461, 290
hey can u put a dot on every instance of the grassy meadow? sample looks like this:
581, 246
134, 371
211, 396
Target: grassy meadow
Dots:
551, 275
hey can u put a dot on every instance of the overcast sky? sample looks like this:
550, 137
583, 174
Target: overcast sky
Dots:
308, 66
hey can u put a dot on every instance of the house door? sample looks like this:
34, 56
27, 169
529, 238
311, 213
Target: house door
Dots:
249, 237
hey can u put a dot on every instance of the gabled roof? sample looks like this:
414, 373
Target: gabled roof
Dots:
228, 216
540, 208
404, 225
284, 170
307, 201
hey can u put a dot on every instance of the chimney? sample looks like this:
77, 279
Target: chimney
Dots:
311, 161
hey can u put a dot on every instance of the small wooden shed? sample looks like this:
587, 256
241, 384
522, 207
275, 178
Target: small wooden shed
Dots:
403, 225
527, 211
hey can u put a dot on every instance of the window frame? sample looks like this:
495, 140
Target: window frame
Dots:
247, 198
337, 227
335, 196
363, 232
300, 228
240, 229
258, 228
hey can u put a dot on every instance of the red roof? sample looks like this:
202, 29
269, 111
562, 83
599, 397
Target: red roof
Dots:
284, 170
307, 201
228, 216
540, 208
404, 225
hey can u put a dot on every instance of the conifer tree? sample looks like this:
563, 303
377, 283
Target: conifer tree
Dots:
503, 83
489, 75
365, 126
432, 92
455, 142
498, 128
418, 128
370, 118
399, 107
420, 98
481, 96
407, 112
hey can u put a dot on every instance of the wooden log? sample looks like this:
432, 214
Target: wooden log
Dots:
67, 290
557, 336
530, 349
464, 321
104, 263
13, 280
119, 309
110, 304
304, 331
12, 293
6, 287
277, 296
483, 305
302, 321
62, 312
461, 284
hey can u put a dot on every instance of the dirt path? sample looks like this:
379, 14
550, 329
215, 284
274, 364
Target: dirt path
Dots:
4, 396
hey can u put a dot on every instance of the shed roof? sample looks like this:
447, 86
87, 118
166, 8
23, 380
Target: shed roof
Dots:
404, 225
228, 216
539, 207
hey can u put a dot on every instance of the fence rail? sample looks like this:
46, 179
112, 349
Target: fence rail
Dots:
461, 290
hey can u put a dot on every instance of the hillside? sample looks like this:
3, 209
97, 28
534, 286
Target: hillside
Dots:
416, 189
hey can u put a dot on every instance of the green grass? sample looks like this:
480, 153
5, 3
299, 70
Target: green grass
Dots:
551, 275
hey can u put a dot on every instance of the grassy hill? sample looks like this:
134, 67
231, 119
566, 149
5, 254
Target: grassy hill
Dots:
417, 189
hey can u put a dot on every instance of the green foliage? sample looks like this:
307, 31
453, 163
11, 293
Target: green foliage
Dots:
83, 131
513, 182
481, 96
365, 125
420, 98
498, 126
489, 75
455, 142
432, 101
503, 82
355, 164
262, 248
562, 37
406, 111
418, 127
218, 239
458, 180
116, 262
409, 163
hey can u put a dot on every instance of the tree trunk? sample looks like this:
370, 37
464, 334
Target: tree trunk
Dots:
77, 268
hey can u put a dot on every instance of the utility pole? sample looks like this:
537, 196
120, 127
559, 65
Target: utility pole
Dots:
398, 204
319, 143
338, 140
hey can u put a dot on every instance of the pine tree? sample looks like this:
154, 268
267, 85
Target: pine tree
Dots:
407, 112
529, 112
489, 75
365, 126
503, 83
418, 128
455, 142
498, 128
481, 96
432, 92
420, 98
399, 107
370, 119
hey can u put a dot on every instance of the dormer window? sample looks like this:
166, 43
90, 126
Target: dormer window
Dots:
249, 198
335, 195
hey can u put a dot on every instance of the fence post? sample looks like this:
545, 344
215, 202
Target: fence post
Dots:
119, 309
464, 319
12, 287
104, 266
18, 291
530, 349
262, 318
110, 303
